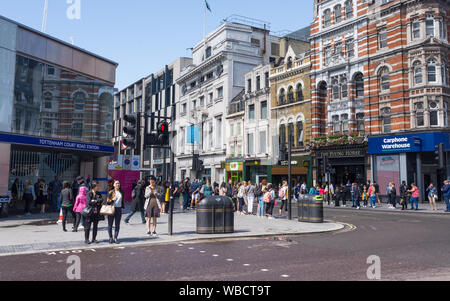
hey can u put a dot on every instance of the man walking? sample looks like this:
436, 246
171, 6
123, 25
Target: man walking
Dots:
446, 194
185, 189
138, 196
55, 188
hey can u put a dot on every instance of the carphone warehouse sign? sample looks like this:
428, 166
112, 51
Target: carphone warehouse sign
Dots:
410, 143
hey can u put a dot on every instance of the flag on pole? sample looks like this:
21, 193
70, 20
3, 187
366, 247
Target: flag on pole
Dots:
207, 6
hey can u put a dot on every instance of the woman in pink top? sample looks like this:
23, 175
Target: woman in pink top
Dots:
80, 203
415, 195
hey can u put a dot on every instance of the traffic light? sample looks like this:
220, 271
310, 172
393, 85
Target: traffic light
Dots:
440, 155
163, 133
131, 131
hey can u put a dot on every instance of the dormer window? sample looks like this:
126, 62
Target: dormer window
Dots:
337, 13
289, 63
327, 18
208, 52
348, 9
429, 26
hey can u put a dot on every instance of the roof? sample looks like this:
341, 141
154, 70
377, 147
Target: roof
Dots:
301, 34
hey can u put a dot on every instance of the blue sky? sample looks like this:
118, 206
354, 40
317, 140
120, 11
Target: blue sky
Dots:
144, 35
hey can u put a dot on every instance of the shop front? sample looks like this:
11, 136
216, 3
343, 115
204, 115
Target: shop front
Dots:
410, 158
234, 171
256, 170
342, 164
301, 171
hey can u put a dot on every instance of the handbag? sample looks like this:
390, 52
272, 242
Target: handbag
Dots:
107, 210
87, 211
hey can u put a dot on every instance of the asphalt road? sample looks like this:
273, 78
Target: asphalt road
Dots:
410, 246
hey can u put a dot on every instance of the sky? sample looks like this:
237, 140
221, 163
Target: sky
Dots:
142, 36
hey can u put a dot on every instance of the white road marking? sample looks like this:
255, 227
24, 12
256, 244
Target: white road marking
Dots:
191, 248
43, 262
246, 264
264, 270
202, 251
285, 276
229, 259
215, 255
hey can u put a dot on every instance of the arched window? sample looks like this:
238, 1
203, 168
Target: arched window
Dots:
78, 101
289, 63
384, 79
337, 13
299, 133
434, 113
348, 9
282, 135
420, 121
282, 97
417, 73
299, 92
291, 94
431, 71
327, 18
359, 85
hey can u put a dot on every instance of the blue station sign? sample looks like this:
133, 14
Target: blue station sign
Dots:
52, 143
410, 143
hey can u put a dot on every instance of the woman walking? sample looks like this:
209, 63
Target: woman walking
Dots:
153, 208
269, 199
282, 194
250, 197
415, 195
392, 195
115, 197
42, 195
207, 189
404, 195
432, 195
80, 203
67, 203
240, 196
29, 196
262, 189
223, 189
95, 200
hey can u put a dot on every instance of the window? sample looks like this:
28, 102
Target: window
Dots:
444, 74
251, 112
441, 29
445, 114
282, 97
282, 134
208, 52
385, 1
416, 30
262, 142
220, 92
349, 46
348, 9
327, 53
429, 26
77, 130
337, 13
291, 94
255, 42
289, 63
264, 110
275, 49
299, 133
359, 83
232, 130
47, 128
238, 128
258, 83
193, 84
50, 70
382, 39
386, 120
431, 71
266, 77
78, 101
194, 104
384, 79
420, 121
299, 92
327, 18
335, 89
219, 132
291, 132
336, 124
210, 133
211, 97
360, 123
233, 151
184, 108
209, 75
182, 138
434, 110
48, 97
249, 85
344, 88
417, 73
344, 119
250, 150
338, 48
202, 101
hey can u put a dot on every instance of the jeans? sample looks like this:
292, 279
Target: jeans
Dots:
77, 220
355, 202
56, 200
185, 200
240, 204
116, 220
372, 203
414, 201
87, 229
261, 206
250, 200
447, 201
127, 219
65, 211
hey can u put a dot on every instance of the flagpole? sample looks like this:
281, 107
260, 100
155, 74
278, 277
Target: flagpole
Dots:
204, 25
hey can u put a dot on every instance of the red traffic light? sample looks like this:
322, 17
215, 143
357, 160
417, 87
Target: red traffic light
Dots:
163, 128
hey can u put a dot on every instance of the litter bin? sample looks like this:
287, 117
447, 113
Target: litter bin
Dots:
310, 208
215, 215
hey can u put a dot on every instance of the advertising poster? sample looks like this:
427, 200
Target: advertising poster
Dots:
126, 178
388, 170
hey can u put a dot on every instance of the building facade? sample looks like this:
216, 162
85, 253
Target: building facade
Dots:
56, 108
290, 109
380, 72
215, 78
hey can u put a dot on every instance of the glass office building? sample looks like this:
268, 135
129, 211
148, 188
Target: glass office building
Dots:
56, 108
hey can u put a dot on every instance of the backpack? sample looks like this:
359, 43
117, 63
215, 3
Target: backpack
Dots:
267, 197
258, 191
281, 193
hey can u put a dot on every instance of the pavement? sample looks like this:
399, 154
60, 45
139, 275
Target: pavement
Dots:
40, 232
